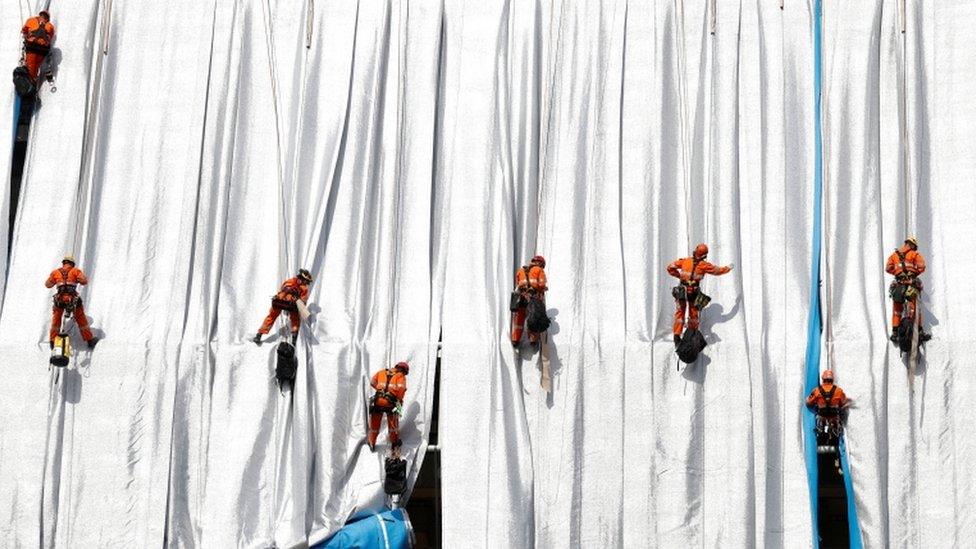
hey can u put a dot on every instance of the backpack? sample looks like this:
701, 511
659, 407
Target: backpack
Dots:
287, 363
690, 346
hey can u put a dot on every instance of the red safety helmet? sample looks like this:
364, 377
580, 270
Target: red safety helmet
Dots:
827, 375
701, 251
403, 366
540, 260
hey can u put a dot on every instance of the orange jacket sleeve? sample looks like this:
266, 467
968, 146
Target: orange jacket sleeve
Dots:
840, 397
375, 381
716, 270
812, 399
50, 31
674, 269
51, 281
543, 279
82, 279
919, 263
892, 265
304, 292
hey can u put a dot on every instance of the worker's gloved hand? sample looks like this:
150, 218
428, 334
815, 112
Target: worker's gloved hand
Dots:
731, 266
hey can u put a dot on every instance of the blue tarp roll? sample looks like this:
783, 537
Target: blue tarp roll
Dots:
389, 529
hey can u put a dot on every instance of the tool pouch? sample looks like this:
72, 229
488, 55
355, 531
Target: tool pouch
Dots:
701, 300
516, 302
898, 291
679, 292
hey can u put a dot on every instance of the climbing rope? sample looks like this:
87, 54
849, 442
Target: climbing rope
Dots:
683, 119
903, 123
542, 178
825, 174
401, 42
85, 175
282, 202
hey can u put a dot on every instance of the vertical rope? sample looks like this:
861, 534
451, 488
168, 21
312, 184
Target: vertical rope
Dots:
683, 118
825, 167
401, 42
903, 123
282, 204
85, 174
542, 180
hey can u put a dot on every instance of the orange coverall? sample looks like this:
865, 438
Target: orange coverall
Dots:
390, 385
529, 281
682, 270
67, 279
914, 266
817, 399
291, 291
38, 37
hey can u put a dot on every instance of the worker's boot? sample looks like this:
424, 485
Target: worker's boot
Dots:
677, 339
923, 336
894, 335
257, 339
92, 342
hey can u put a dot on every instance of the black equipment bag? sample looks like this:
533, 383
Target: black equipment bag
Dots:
897, 291
23, 83
396, 476
701, 300
287, 363
690, 346
537, 320
904, 332
679, 292
517, 301
284, 304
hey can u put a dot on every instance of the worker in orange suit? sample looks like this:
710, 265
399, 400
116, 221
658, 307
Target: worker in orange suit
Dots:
390, 385
38, 35
530, 283
690, 271
292, 291
66, 281
906, 264
828, 401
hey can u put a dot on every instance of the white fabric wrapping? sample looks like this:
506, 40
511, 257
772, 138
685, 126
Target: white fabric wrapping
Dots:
412, 156
635, 101
909, 446
214, 166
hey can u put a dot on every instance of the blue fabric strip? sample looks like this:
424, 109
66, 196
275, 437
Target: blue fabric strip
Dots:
814, 320
854, 527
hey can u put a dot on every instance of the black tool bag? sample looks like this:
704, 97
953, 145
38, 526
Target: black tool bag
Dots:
897, 291
700, 301
537, 321
287, 363
690, 346
23, 83
396, 476
517, 301
679, 292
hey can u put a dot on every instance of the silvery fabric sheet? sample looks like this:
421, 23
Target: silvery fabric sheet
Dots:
412, 154
909, 439
610, 137
192, 157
